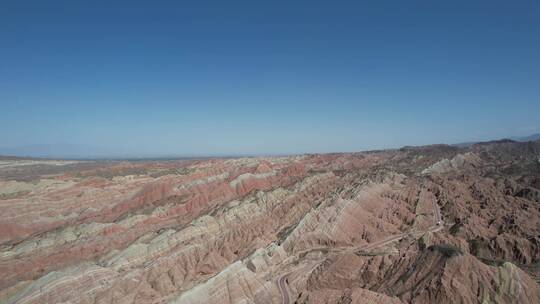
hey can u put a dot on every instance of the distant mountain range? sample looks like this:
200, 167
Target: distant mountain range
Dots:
533, 137
72, 151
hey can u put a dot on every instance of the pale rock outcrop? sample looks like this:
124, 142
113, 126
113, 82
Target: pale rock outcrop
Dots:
456, 163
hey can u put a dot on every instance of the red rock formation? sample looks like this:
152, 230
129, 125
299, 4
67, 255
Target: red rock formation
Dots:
422, 225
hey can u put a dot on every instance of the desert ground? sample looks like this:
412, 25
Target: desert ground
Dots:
430, 224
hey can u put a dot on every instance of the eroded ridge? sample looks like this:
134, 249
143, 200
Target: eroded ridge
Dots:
416, 225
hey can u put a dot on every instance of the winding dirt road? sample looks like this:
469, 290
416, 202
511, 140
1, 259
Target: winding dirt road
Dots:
283, 289
282, 280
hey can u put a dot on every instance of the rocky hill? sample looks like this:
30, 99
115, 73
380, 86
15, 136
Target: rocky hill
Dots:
433, 224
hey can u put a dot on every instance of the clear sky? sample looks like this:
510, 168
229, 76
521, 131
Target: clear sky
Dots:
154, 78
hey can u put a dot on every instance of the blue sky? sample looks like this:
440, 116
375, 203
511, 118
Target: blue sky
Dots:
150, 78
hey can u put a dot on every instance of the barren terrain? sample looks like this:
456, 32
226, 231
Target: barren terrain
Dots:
432, 224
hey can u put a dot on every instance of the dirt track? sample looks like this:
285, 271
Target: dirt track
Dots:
282, 280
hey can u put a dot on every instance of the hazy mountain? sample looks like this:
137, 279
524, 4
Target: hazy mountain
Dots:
533, 137
67, 150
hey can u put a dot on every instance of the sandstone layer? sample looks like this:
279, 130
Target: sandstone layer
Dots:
433, 224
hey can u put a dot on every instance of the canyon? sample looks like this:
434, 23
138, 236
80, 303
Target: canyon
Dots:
429, 224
